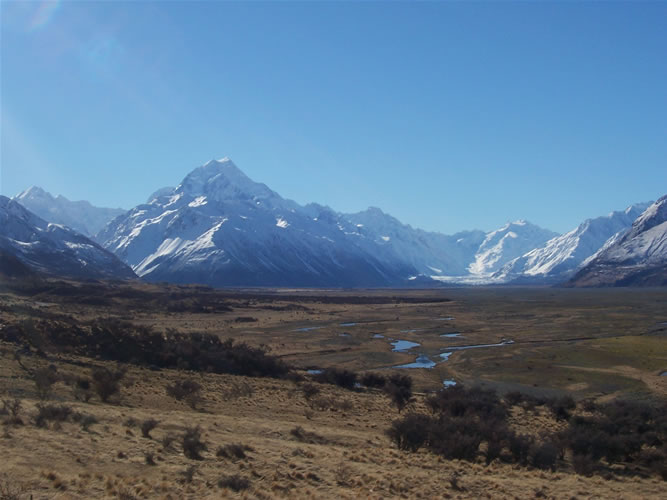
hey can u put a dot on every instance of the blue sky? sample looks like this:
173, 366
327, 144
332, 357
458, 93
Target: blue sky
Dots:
449, 116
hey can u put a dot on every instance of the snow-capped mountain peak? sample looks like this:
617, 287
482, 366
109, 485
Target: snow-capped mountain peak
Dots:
221, 180
507, 243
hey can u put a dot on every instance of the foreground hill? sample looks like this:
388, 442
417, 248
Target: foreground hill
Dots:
636, 258
51, 248
79, 215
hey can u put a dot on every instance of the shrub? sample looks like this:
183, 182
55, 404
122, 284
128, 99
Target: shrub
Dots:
147, 426
148, 457
309, 390
455, 438
457, 401
44, 379
335, 376
192, 443
561, 407
373, 380
520, 445
185, 390
84, 420
234, 482
399, 389
51, 413
168, 440
543, 456
106, 382
125, 342
583, 465
411, 432
238, 390
9, 490
494, 448
307, 437
12, 408
189, 473
82, 389
233, 451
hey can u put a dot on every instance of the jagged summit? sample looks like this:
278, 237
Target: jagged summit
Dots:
504, 244
222, 180
31, 192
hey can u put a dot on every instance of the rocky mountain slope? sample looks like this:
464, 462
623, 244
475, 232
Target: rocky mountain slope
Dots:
637, 257
52, 248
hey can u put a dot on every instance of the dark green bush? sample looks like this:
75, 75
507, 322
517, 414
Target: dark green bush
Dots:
192, 444
107, 382
399, 389
336, 376
235, 482
51, 413
373, 380
233, 451
410, 432
147, 426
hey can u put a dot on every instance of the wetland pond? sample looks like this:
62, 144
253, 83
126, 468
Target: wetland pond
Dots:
403, 345
308, 329
422, 361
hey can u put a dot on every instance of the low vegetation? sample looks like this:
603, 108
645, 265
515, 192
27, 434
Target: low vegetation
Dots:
121, 341
466, 423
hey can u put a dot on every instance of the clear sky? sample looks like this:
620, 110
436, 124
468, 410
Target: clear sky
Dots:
448, 116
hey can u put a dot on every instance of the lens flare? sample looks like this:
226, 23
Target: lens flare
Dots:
43, 14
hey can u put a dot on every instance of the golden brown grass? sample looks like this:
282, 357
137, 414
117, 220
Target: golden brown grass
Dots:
352, 457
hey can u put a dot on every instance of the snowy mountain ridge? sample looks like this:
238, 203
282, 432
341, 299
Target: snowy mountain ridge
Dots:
53, 248
79, 215
560, 257
637, 257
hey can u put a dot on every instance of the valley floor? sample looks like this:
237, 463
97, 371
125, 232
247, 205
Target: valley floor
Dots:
596, 345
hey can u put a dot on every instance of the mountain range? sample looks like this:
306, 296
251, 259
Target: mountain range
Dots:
220, 228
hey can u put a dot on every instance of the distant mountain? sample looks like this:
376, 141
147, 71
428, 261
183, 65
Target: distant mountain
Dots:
635, 258
51, 248
559, 258
220, 228
428, 252
79, 215
505, 244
